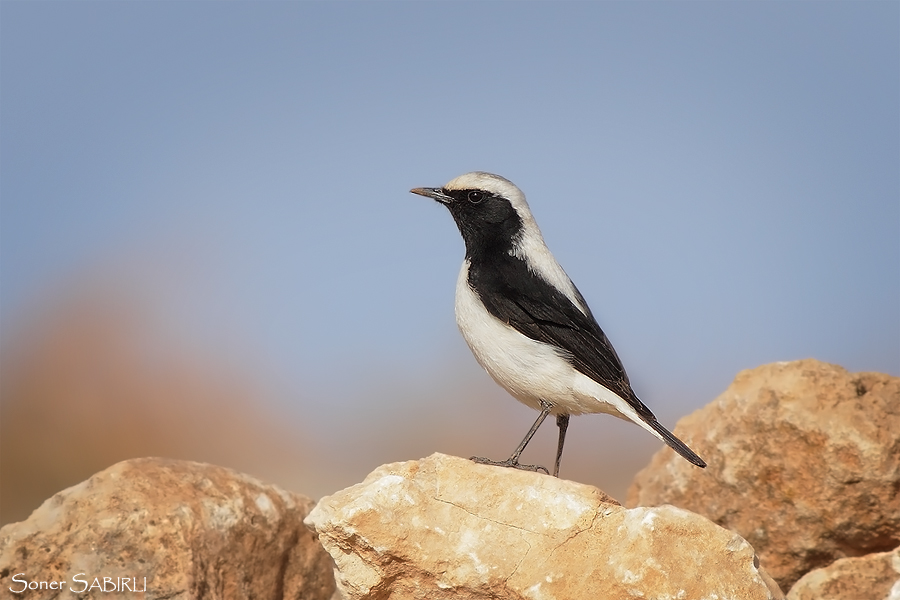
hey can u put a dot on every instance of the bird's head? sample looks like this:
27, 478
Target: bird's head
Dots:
490, 211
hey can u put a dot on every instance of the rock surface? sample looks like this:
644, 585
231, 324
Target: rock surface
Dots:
444, 527
192, 530
875, 576
804, 463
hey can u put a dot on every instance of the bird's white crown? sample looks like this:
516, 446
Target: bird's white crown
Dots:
479, 180
500, 186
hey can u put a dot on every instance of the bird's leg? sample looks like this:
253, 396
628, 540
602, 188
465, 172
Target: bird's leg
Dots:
562, 421
513, 461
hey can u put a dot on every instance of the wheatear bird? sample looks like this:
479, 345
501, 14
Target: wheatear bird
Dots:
526, 322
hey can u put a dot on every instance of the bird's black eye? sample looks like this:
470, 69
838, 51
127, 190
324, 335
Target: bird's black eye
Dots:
476, 196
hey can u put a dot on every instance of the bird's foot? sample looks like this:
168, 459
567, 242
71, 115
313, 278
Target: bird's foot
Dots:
509, 462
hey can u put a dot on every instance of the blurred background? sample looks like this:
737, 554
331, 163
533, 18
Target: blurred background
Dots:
208, 250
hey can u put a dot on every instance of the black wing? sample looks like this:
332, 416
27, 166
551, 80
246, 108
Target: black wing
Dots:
533, 307
538, 310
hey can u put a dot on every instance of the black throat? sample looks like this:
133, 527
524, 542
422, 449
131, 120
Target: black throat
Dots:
490, 228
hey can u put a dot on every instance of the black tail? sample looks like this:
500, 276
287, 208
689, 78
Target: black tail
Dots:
676, 444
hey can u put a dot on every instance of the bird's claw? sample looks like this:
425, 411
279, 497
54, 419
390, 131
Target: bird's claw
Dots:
509, 462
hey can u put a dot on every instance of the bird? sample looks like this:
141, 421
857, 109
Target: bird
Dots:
527, 324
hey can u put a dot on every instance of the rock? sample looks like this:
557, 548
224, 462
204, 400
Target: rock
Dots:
875, 576
445, 527
804, 463
176, 529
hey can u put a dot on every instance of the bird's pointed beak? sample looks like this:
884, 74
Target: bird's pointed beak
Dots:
433, 193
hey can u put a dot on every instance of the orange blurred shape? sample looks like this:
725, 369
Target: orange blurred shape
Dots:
90, 381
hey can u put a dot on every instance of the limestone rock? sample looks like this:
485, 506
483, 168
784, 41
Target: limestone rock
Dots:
176, 529
804, 463
875, 576
444, 527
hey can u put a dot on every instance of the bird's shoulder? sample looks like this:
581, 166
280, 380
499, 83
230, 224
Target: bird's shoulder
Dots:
505, 282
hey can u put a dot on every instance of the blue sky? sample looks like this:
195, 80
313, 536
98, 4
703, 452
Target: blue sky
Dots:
721, 180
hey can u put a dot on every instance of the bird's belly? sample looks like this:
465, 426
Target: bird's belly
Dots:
528, 369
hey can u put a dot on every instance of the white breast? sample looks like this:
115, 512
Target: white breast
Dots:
528, 369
